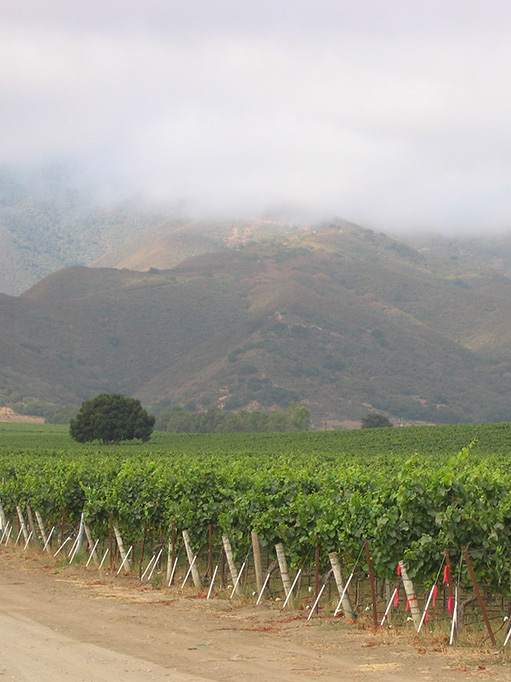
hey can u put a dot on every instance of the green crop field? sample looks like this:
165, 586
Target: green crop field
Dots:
411, 491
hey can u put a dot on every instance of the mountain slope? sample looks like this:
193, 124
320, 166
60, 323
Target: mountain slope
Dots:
337, 316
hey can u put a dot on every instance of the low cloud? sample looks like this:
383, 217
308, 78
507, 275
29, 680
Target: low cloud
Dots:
392, 114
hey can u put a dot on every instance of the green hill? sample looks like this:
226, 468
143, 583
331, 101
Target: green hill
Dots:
339, 317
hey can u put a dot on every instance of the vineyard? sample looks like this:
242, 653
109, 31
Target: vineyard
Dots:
411, 493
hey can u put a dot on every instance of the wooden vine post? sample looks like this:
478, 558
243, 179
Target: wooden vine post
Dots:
42, 529
258, 566
31, 520
210, 551
3, 522
336, 567
230, 561
22, 523
478, 595
316, 574
281, 558
191, 560
371, 580
171, 555
90, 540
120, 544
410, 595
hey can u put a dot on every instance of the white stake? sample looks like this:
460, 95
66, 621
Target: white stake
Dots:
120, 544
63, 544
336, 568
454, 616
74, 549
410, 595
172, 573
191, 560
28, 539
388, 608
430, 596
48, 538
18, 536
192, 563
317, 601
148, 567
8, 535
41, 528
22, 522
125, 560
103, 559
92, 554
507, 636
3, 522
212, 582
338, 607
71, 551
234, 589
263, 588
154, 565
4, 532
292, 588
230, 561
281, 558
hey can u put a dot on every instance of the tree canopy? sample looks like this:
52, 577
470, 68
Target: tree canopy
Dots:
111, 418
374, 420
177, 419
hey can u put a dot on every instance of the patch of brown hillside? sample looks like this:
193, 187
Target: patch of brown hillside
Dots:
8, 415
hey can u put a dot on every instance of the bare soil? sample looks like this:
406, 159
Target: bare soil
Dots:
8, 415
67, 624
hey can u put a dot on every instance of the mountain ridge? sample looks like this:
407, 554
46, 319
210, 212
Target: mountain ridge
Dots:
334, 315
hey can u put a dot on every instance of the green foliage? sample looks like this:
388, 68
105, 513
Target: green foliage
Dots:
406, 490
374, 420
111, 418
177, 419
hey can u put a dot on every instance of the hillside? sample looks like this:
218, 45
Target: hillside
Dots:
49, 221
337, 316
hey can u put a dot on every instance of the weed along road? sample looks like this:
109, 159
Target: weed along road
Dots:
66, 624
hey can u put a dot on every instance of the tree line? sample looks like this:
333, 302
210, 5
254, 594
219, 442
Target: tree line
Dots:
176, 419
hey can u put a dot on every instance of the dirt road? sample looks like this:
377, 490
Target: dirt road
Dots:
66, 625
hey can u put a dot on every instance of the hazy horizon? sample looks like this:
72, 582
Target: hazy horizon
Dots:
391, 114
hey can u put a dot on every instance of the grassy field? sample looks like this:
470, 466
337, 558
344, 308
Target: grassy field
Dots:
487, 440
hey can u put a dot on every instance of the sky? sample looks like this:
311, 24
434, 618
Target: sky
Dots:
394, 114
